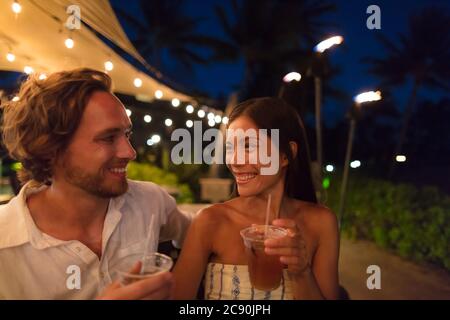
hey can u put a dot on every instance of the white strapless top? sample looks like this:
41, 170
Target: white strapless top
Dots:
232, 282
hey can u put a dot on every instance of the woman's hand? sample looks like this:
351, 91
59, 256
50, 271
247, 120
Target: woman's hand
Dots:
291, 249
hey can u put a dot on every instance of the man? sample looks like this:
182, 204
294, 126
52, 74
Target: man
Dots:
77, 215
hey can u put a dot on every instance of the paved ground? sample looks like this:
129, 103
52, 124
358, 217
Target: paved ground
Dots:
400, 279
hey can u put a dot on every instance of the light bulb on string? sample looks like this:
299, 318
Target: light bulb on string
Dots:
168, 122
10, 57
158, 94
69, 43
201, 113
147, 118
137, 82
109, 65
189, 108
28, 70
16, 7
175, 102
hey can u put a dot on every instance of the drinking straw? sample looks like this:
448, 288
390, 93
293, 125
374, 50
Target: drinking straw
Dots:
266, 225
148, 243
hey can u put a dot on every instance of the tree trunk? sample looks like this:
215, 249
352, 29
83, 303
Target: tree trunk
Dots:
406, 117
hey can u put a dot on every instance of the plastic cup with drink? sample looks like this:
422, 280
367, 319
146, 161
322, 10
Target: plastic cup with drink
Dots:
151, 262
265, 270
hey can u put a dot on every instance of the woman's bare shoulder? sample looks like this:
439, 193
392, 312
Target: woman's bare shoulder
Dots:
211, 222
217, 212
318, 217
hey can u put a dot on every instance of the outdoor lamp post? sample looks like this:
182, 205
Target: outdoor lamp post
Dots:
289, 77
354, 112
320, 48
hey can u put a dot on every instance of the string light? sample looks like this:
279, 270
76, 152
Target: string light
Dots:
137, 82
168, 122
225, 120
10, 57
147, 118
156, 138
109, 65
189, 108
189, 123
158, 94
175, 102
211, 116
16, 7
15, 99
218, 119
201, 113
129, 112
69, 43
211, 122
28, 70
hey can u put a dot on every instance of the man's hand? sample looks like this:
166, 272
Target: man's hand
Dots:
157, 287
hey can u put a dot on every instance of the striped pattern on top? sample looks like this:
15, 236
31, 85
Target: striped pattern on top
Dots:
232, 282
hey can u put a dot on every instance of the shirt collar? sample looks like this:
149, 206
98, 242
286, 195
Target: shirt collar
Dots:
17, 226
13, 224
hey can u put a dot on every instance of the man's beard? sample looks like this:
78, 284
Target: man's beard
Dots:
94, 183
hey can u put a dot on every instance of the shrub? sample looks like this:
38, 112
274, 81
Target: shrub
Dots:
413, 222
147, 172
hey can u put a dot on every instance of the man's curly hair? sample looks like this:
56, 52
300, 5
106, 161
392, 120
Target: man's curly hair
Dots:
41, 124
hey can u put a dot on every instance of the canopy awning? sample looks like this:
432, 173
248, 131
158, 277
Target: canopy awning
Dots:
37, 34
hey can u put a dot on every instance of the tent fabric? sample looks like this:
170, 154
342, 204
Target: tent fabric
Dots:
36, 37
101, 17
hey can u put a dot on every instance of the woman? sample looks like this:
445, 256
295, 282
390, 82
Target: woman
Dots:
214, 248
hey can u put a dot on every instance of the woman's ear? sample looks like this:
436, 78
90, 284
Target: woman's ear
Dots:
294, 148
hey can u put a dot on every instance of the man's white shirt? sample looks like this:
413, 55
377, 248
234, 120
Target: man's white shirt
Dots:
34, 265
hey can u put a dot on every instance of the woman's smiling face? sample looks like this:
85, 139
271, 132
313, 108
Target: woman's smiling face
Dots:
246, 168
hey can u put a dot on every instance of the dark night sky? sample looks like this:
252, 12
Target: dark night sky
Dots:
350, 19
218, 79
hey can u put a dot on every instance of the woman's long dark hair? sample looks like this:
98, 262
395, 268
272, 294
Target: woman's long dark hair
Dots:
273, 113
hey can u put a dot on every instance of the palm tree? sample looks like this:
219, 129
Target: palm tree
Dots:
421, 56
431, 139
267, 34
166, 31
302, 94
